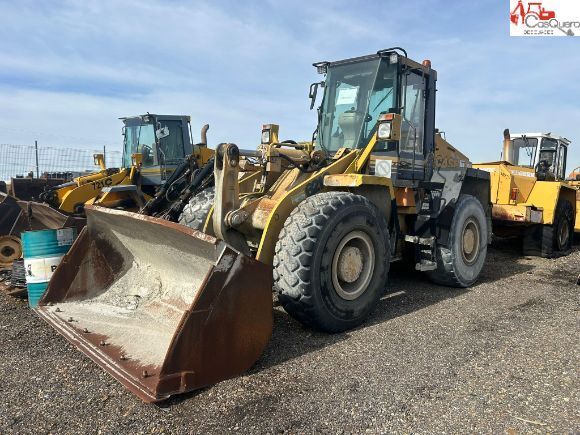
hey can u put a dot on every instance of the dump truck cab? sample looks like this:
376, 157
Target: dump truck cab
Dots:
163, 141
543, 152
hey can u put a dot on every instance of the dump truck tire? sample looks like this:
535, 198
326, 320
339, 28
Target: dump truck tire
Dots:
196, 211
332, 260
459, 264
552, 240
563, 226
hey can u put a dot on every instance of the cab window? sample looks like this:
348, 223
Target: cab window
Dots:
413, 113
140, 139
525, 151
548, 153
171, 148
562, 151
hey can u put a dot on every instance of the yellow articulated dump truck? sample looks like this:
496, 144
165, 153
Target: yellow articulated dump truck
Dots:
167, 308
529, 193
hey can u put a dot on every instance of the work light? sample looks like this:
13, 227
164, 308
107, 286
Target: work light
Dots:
384, 130
266, 135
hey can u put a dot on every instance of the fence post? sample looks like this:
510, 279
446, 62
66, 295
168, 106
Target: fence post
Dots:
36, 153
105, 154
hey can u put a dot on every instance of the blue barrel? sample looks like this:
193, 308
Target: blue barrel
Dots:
42, 252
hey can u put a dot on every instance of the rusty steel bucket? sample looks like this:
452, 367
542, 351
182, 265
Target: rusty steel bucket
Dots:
19, 216
12, 221
161, 307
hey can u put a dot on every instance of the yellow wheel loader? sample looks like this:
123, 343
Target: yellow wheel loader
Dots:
154, 146
530, 196
165, 308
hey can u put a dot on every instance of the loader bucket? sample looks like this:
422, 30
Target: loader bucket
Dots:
19, 216
11, 216
163, 308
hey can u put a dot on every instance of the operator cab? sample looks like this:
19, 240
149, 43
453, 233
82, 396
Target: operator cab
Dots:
543, 152
387, 92
162, 140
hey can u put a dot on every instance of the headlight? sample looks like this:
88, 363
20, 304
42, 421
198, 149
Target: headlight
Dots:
384, 131
265, 136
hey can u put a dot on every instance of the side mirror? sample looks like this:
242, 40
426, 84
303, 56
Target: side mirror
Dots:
313, 92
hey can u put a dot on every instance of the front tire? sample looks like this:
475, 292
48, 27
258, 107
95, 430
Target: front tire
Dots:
195, 213
332, 260
460, 262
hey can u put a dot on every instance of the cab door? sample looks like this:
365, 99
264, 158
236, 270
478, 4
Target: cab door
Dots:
561, 161
411, 156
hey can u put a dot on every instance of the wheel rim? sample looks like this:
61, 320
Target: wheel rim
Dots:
10, 250
470, 241
353, 265
563, 235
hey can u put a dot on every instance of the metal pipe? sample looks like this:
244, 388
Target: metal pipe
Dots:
250, 153
204, 130
508, 147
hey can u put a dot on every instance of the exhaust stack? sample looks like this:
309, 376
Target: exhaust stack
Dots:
508, 147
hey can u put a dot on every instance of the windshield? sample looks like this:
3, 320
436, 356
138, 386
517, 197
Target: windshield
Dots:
139, 139
355, 95
525, 151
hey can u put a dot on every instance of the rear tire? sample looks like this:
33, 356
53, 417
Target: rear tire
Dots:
332, 260
460, 264
196, 211
552, 240
563, 226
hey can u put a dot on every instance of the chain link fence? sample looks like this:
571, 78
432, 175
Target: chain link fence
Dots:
39, 161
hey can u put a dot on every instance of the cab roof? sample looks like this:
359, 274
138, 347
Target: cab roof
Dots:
541, 135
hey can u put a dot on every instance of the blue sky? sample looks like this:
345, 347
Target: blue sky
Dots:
69, 69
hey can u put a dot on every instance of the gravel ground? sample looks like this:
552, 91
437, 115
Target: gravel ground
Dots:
501, 356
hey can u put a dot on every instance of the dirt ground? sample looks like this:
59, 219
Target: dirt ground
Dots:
499, 357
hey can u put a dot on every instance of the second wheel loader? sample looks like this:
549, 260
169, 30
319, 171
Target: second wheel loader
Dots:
154, 147
165, 308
